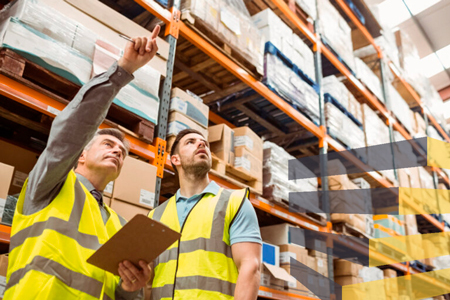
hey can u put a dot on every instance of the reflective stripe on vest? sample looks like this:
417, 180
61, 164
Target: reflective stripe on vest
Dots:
180, 270
56, 242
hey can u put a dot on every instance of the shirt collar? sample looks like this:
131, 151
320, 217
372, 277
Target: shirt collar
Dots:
212, 188
86, 182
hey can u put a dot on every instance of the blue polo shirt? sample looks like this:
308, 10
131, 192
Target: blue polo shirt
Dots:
245, 227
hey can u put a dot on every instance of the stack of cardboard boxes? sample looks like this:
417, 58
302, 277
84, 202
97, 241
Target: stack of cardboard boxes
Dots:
241, 149
368, 77
187, 111
347, 273
131, 194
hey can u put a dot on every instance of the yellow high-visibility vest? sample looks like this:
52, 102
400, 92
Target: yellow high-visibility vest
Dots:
200, 265
49, 249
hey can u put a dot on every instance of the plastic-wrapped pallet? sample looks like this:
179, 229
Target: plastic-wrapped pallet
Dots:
442, 262
291, 86
376, 289
274, 30
49, 48
231, 22
404, 153
343, 128
365, 74
336, 31
333, 86
433, 133
400, 108
276, 178
42, 18
309, 6
376, 133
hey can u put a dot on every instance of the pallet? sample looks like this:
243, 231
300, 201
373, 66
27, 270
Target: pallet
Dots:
235, 175
389, 251
418, 265
232, 51
62, 90
348, 229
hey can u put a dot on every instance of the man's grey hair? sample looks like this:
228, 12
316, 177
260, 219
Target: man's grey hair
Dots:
110, 131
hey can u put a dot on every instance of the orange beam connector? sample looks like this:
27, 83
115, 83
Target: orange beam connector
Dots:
161, 156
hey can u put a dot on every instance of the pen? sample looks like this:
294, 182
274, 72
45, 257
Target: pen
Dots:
131, 40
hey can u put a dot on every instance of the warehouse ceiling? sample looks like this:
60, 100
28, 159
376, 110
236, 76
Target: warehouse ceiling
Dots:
429, 28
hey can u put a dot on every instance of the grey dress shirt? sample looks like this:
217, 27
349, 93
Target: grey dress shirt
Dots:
71, 131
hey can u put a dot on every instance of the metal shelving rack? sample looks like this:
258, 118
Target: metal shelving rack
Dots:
157, 155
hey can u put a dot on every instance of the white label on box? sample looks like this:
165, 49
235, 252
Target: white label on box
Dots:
53, 110
285, 257
265, 279
19, 178
320, 263
109, 187
230, 20
178, 105
2, 286
292, 284
175, 127
243, 141
2, 207
242, 162
147, 198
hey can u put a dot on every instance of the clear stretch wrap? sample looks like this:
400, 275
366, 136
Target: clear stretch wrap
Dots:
333, 86
343, 128
400, 108
43, 19
336, 31
376, 133
365, 74
309, 6
277, 185
231, 22
291, 87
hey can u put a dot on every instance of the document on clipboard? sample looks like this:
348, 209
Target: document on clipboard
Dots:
140, 239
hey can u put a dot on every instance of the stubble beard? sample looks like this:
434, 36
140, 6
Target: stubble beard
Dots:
197, 169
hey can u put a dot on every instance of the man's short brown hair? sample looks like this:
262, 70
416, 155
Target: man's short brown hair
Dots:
180, 135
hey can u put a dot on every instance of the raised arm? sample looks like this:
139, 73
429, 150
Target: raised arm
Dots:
76, 125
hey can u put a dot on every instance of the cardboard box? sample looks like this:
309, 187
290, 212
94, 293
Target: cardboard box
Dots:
322, 266
127, 210
246, 138
347, 280
344, 267
295, 251
6, 175
270, 254
136, 183
280, 235
295, 287
184, 103
221, 140
247, 163
178, 122
3, 269
21, 159
275, 277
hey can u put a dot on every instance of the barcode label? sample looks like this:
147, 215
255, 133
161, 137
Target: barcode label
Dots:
243, 140
147, 198
285, 257
178, 105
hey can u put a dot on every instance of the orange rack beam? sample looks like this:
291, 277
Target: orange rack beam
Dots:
268, 293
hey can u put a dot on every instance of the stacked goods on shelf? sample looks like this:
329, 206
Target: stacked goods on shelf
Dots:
410, 62
347, 202
276, 183
429, 201
336, 31
376, 133
390, 284
339, 123
376, 288
50, 40
130, 194
229, 21
187, 111
400, 108
6, 176
309, 6
140, 96
46, 37
320, 256
274, 30
419, 126
221, 143
348, 273
368, 77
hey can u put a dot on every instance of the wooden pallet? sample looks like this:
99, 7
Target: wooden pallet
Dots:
232, 174
62, 90
348, 229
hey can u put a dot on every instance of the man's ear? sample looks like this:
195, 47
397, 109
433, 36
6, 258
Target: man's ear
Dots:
175, 160
82, 158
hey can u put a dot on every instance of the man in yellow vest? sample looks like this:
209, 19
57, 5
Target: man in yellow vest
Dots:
219, 253
60, 219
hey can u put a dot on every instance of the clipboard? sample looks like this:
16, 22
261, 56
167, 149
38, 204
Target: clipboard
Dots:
140, 239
